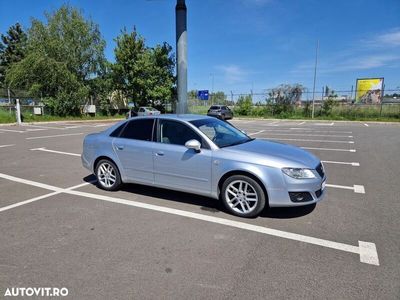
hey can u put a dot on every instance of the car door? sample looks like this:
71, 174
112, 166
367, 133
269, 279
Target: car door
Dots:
134, 149
175, 165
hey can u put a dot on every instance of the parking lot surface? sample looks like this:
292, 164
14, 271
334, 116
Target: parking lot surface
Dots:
59, 230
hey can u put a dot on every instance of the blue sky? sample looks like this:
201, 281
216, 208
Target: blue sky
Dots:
254, 44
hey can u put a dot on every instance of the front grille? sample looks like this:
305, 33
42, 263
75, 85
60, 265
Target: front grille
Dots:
320, 170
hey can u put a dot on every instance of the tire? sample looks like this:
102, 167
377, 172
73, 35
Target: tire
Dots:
223, 117
112, 182
251, 199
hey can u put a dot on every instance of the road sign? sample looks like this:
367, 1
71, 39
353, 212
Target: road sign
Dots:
202, 95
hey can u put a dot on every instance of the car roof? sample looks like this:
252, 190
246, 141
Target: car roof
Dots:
183, 117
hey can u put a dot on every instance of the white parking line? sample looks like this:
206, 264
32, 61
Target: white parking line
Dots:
323, 124
51, 136
354, 164
43, 196
359, 189
312, 130
304, 140
301, 123
11, 130
254, 133
329, 149
305, 134
10, 145
54, 151
366, 251
43, 127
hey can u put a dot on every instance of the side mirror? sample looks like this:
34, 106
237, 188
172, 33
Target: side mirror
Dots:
193, 144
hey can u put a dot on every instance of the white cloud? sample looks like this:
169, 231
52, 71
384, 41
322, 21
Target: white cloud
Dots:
391, 38
232, 73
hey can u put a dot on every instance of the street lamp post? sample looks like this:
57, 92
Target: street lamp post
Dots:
315, 77
181, 56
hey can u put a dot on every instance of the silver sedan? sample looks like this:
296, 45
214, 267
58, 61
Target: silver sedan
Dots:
205, 156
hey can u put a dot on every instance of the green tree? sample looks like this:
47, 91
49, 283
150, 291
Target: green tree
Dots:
243, 105
284, 97
12, 48
143, 74
218, 97
63, 56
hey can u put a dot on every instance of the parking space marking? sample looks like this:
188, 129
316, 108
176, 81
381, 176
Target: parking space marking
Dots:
12, 130
323, 124
305, 140
306, 134
254, 133
54, 151
301, 123
366, 251
329, 149
8, 207
51, 136
359, 189
313, 130
10, 145
43, 127
354, 164
365, 124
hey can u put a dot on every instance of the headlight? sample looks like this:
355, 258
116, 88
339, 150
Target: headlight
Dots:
298, 173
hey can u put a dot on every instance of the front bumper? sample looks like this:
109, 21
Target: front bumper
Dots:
281, 197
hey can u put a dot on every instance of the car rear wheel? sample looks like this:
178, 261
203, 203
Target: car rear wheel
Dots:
223, 117
243, 196
108, 177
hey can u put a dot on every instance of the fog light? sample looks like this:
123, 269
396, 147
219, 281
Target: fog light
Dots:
300, 196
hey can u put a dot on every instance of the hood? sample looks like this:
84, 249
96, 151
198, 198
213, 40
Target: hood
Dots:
275, 153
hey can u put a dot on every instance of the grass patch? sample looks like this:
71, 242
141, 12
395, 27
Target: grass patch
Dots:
7, 117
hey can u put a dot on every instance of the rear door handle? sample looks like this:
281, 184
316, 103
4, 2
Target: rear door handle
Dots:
159, 153
120, 147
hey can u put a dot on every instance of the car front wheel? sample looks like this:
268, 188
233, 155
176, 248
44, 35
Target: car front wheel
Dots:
108, 177
243, 196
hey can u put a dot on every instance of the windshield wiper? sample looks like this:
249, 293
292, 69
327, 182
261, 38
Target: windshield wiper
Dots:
238, 143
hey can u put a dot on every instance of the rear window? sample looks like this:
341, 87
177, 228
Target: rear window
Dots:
139, 130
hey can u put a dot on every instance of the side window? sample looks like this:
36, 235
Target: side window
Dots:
172, 132
141, 109
117, 131
139, 130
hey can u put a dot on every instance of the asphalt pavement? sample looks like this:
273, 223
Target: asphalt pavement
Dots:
59, 230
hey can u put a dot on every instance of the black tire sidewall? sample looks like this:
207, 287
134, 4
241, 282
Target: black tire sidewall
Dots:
118, 181
260, 193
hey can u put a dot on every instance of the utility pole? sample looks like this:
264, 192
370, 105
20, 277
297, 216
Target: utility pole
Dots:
315, 77
212, 88
181, 55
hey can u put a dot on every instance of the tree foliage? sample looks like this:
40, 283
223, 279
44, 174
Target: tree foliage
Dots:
284, 97
145, 75
12, 48
244, 105
62, 56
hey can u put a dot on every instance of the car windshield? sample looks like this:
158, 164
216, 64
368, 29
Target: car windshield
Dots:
221, 133
215, 107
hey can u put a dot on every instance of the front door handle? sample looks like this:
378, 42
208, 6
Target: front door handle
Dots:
120, 147
159, 153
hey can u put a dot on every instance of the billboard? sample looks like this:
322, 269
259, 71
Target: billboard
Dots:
369, 90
